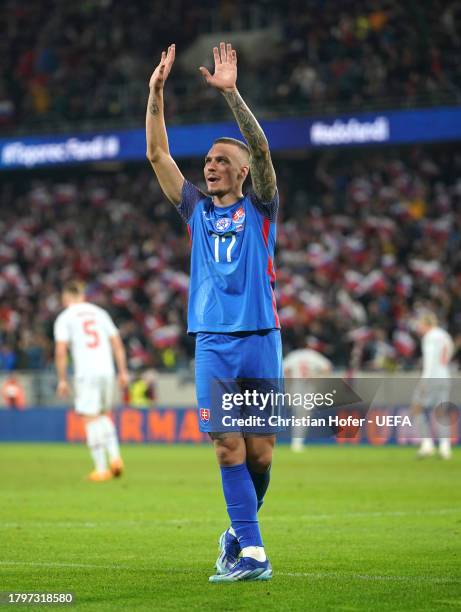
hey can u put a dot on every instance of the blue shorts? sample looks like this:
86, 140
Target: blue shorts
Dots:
255, 357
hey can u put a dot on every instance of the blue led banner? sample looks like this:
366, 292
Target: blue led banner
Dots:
390, 127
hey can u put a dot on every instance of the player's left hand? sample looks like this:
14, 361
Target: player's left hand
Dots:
63, 389
225, 68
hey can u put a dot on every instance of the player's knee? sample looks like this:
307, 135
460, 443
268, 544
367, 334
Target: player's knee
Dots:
227, 457
261, 462
229, 451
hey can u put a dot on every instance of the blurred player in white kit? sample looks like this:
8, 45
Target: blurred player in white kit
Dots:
434, 390
89, 332
300, 365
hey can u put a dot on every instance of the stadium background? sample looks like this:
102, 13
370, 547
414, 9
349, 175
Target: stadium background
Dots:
367, 233
362, 103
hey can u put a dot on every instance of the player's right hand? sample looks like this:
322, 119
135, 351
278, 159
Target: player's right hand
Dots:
161, 72
123, 380
63, 389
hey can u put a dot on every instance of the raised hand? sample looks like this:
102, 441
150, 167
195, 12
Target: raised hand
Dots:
161, 72
225, 68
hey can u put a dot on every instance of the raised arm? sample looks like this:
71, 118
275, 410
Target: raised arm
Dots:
158, 152
225, 80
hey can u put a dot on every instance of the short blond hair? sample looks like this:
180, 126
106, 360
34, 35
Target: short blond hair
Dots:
428, 318
74, 287
233, 141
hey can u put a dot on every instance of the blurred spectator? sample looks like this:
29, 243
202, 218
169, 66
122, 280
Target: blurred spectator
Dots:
8, 357
69, 63
142, 391
364, 237
7, 107
13, 393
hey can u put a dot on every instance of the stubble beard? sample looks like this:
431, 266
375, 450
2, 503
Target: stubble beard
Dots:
219, 193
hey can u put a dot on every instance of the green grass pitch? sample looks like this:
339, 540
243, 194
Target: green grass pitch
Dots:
346, 528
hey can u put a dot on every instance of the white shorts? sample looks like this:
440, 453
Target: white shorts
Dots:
432, 392
94, 395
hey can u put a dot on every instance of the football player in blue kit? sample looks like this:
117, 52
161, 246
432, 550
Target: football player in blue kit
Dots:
232, 310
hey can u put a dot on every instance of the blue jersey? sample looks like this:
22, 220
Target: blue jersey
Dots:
232, 274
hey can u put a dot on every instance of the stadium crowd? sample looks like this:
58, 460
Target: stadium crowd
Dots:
61, 65
364, 240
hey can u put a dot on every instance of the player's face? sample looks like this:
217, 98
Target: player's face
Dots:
422, 328
69, 298
225, 169
66, 299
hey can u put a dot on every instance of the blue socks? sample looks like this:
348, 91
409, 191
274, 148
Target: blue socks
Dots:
242, 503
260, 482
244, 492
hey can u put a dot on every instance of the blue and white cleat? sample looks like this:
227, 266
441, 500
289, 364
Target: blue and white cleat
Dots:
229, 550
246, 568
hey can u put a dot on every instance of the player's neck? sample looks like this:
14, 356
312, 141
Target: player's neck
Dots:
76, 302
227, 199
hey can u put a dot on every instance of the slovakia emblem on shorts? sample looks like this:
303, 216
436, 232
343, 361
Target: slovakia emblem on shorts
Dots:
223, 224
204, 414
239, 215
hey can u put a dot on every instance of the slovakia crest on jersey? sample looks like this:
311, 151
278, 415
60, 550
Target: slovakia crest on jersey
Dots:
223, 224
239, 215
204, 415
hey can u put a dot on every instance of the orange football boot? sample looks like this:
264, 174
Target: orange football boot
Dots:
117, 467
95, 476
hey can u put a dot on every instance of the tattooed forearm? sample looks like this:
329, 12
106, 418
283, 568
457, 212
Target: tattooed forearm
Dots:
247, 122
263, 177
261, 168
153, 105
156, 136
153, 108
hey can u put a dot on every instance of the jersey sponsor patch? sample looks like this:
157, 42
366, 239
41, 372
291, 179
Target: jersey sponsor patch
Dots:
239, 215
204, 415
223, 224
